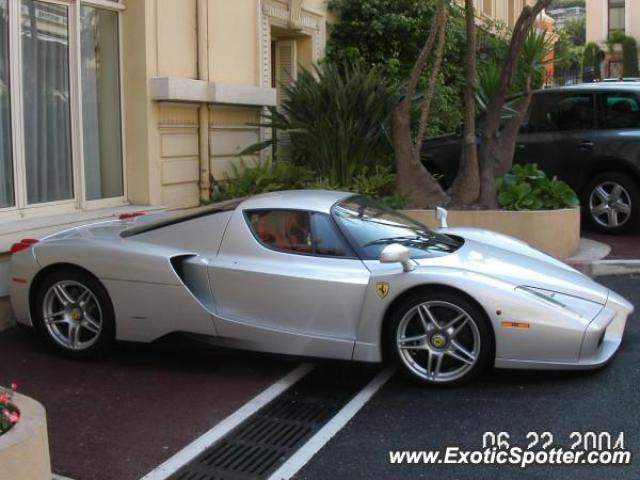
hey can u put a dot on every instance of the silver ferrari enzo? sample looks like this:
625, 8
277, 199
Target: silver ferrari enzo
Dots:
318, 274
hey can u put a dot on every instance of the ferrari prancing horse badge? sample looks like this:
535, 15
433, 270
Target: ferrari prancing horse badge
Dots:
382, 289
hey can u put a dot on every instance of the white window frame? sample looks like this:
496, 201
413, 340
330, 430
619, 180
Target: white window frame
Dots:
21, 208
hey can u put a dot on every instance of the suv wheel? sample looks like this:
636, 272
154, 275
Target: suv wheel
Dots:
612, 203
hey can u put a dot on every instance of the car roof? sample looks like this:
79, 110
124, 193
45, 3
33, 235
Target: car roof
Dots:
594, 87
313, 200
171, 218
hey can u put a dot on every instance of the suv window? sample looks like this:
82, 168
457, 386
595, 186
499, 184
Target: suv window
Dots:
297, 231
621, 110
553, 112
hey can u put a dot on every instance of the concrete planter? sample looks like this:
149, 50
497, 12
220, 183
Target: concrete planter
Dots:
24, 450
556, 232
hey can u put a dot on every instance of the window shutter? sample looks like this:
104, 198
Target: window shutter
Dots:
286, 67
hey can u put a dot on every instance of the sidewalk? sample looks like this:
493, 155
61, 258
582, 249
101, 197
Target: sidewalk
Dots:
601, 254
623, 247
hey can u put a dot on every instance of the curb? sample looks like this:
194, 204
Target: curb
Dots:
601, 268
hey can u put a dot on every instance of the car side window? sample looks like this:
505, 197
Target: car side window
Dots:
297, 231
621, 110
325, 237
562, 112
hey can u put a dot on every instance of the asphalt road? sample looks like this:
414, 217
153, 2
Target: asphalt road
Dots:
405, 417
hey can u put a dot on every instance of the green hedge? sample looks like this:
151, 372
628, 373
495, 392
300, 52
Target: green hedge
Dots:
591, 62
378, 182
630, 57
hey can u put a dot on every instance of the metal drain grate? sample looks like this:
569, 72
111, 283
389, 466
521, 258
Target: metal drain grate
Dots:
264, 441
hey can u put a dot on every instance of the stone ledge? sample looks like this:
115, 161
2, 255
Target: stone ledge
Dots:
201, 91
555, 232
24, 450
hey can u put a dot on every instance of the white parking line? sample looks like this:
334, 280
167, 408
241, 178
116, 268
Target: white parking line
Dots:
196, 447
315, 443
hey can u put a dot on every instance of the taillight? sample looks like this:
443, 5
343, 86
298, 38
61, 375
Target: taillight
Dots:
130, 215
23, 244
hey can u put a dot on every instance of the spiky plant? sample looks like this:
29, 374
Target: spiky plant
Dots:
335, 119
531, 71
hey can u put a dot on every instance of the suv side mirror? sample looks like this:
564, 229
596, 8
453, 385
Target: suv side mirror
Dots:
396, 253
459, 130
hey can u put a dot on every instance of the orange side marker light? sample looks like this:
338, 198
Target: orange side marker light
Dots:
514, 325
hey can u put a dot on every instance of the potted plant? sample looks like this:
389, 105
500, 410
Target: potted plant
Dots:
24, 448
534, 209
9, 413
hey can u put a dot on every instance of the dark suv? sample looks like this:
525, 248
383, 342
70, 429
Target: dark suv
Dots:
587, 135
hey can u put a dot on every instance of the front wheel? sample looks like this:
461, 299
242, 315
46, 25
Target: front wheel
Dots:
440, 338
73, 312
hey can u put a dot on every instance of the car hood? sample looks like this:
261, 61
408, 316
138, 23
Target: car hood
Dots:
513, 261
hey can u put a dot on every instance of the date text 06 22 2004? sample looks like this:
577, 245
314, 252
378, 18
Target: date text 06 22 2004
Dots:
544, 440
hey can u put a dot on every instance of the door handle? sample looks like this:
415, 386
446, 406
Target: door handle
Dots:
586, 144
520, 146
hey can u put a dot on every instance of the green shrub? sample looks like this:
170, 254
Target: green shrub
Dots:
591, 62
576, 30
615, 38
261, 178
377, 182
630, 57
528, 188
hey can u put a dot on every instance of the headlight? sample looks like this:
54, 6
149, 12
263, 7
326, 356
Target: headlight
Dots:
579, 306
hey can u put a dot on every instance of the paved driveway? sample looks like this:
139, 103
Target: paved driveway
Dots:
403, 416
120, 417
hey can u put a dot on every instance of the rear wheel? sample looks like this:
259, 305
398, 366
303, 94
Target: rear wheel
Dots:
612, 203
74, 314
440, 338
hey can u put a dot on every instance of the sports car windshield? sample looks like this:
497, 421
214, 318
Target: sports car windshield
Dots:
372, 227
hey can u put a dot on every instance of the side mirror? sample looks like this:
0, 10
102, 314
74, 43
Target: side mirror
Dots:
396, 253
459, 130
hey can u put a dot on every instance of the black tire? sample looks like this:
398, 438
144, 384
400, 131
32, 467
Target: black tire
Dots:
630, 194
440, 298
101, 341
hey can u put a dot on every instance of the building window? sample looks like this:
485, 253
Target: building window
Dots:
487, 7
616, 16
45, 99
101, 129
6, 163
60, 139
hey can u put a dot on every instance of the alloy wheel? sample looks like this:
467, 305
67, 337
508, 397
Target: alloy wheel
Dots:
610, 204
438, 341
72, 315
